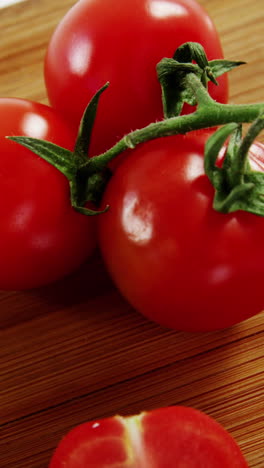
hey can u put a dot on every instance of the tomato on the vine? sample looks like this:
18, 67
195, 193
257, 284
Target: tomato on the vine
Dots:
177, 260
121, 42
42, 238
170, 437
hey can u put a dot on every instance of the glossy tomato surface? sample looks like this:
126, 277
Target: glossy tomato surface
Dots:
175, 259
42, 238
172, 437
121, 41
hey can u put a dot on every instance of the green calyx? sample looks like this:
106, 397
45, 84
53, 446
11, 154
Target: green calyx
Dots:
183, 78
237, 186
86, 181
173, 71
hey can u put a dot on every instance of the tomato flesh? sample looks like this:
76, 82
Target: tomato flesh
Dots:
172, 437
96, 444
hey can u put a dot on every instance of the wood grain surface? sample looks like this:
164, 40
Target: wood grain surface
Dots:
75, 350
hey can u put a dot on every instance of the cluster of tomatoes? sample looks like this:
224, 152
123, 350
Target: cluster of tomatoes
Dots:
170, 254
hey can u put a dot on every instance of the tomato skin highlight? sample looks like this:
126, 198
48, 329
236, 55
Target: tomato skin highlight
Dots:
122, 42
173, 257
42, 238
170, 437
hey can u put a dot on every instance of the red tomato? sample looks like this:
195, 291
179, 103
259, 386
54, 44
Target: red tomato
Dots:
170, 437
177, 260
121, 41
42, 238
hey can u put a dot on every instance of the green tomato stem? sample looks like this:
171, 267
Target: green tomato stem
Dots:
182, 81
209, 113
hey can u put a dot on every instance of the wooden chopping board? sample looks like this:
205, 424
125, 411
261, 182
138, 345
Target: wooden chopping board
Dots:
68, 355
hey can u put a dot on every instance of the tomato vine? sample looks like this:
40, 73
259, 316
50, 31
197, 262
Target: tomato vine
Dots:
182, 81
